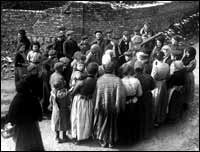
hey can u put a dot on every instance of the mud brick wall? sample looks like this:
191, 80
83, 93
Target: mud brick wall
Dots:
86, 18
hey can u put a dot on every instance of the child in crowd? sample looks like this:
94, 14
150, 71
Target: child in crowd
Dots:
34, 56
78, 71
59, 103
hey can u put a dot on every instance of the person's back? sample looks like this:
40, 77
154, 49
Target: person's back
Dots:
24, 113
107, 85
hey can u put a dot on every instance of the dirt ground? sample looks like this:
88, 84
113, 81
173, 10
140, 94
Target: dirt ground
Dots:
182, 136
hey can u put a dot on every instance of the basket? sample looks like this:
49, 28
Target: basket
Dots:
8, 132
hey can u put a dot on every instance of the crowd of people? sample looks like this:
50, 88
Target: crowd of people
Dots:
114, 91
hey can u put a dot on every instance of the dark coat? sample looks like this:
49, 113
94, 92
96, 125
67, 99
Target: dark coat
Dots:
123, 47
25, 112
24, 109
84, 47
69, 48
144, 107
35, 83
58, 46
24, 41
20, 69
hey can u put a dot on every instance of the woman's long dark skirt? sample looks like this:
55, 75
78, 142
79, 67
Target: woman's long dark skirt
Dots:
145, 115
28, 137
176, 105
128, 124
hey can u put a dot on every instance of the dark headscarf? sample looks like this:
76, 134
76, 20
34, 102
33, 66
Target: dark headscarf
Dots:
22, 32
192, 54
92, 68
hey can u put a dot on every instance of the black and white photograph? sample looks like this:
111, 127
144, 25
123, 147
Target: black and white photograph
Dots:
99, 75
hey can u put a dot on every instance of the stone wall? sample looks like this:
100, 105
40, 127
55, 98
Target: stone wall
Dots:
86, 18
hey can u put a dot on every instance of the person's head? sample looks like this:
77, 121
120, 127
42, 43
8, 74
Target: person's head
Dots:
128, 55
175, 40
85, 39
109, 34
106, 58
52, 53
36, 46
60, 35
160, 56
77, 55
92, 68
190, 52
65, 62
109, 67
137, 30
32, 69
146, 25
160, 41
125, 35
170, 32
138, 67
98, 35
21, 34
128, 70
70, 34
166, 49
58, 67
80, 66
95, 48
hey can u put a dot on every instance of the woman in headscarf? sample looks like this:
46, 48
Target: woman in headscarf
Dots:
82, 106
160, 72
93, 55
127, 122
145, 102
110, 98
25, 112
176, 91
189, 62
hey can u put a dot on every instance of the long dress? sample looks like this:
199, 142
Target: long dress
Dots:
60, 101
82, 109
127, 119
189, 82
25, 113
160, 72
110, 99
176, 92
145, 106
60, 119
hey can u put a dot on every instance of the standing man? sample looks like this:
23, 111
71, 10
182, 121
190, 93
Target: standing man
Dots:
108, 36
124, 46
58, 44
23, 41
70, 46
84, 44
100, 41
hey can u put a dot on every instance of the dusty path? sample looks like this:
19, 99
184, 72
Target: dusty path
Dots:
181, 136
